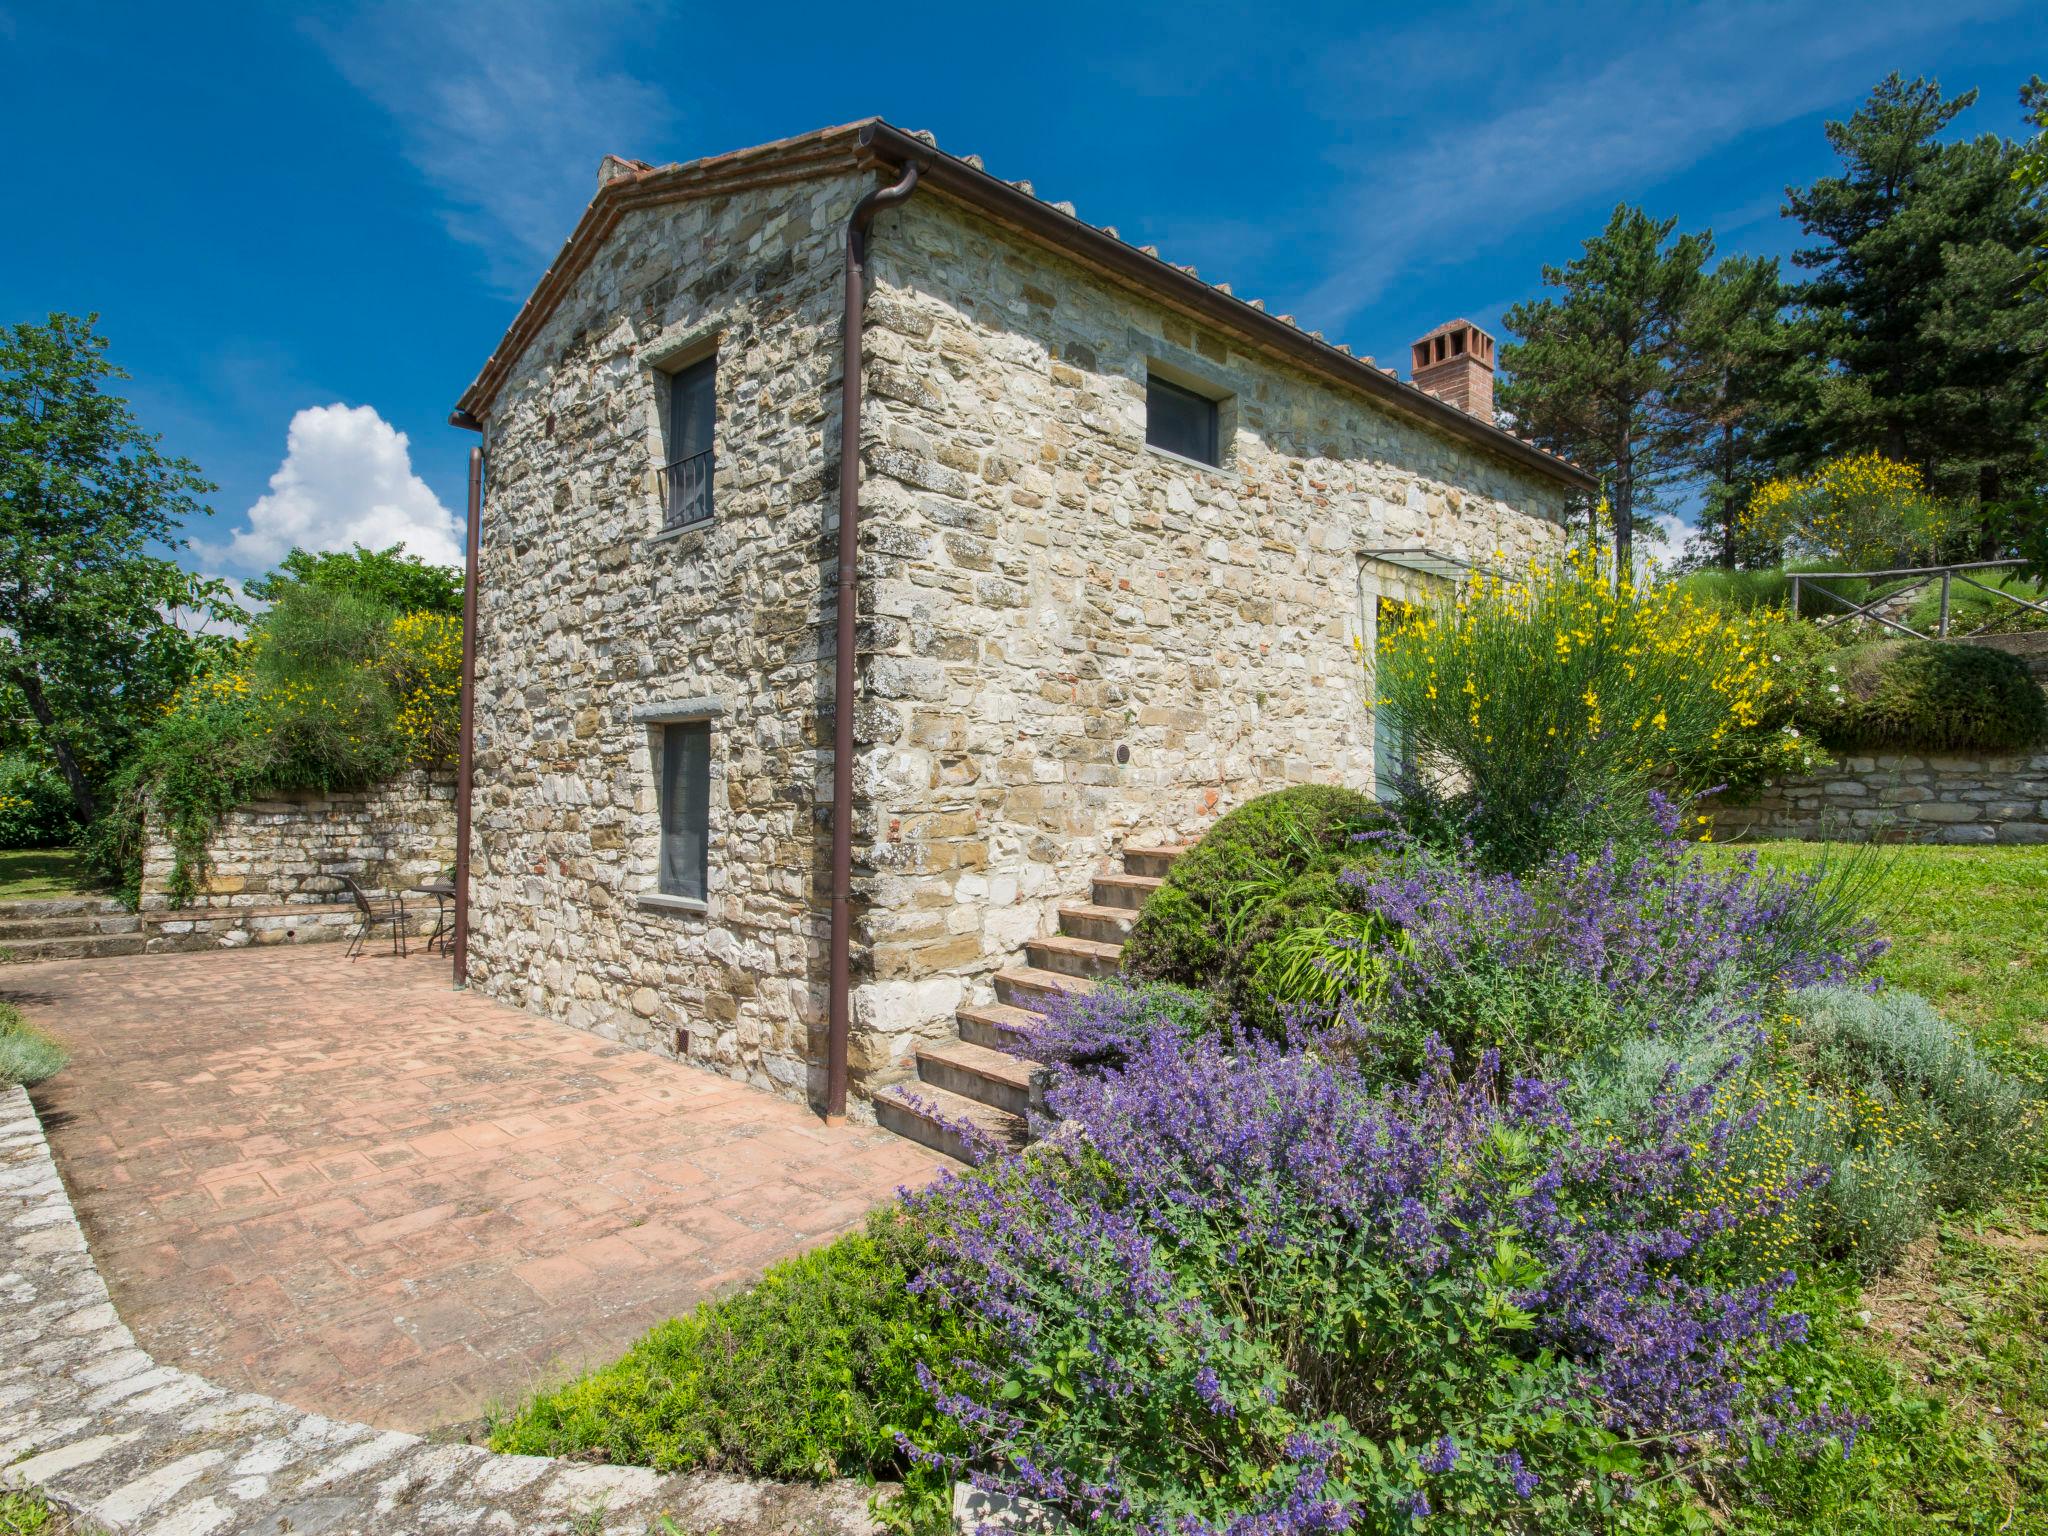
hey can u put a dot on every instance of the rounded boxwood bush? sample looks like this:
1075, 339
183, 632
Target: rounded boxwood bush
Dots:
1270, 863
1930, 696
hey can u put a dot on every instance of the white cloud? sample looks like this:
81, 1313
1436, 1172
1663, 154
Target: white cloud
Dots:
346, 479
1609, 130
505, 109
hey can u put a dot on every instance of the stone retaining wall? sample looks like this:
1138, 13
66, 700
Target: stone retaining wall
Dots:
1906, 798
291, 850
275, 866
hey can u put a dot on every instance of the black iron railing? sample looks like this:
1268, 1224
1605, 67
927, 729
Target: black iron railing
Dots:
686, 490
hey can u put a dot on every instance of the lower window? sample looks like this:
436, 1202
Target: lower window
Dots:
685, 808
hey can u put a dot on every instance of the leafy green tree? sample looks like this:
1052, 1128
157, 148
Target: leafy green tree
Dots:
1595, 372
1927, 341
2031, 172
390, 578
1731, 384
89, 515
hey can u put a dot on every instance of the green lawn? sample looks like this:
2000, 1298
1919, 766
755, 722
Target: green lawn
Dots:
1949, 1354
38, 874
27, 1514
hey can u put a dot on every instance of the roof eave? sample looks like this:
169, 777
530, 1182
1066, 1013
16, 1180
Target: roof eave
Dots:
1019, 209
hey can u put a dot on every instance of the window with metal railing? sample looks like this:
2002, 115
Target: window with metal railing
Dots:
686, 478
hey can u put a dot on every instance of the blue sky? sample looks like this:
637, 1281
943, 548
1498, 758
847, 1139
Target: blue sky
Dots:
305, 228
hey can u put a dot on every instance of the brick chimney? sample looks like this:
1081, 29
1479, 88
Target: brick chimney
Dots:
1454, 362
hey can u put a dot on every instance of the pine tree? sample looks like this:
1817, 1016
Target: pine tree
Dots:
1731, 380
1594, 373
1924, 337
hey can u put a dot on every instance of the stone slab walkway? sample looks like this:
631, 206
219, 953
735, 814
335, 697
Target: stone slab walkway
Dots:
137, 1446
351, 1187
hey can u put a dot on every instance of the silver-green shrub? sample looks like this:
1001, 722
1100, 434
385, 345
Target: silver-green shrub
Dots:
1970, 1122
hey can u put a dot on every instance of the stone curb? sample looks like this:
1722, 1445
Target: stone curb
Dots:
90, 1420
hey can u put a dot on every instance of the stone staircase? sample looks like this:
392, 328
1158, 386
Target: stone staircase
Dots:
977, 1081
67, 928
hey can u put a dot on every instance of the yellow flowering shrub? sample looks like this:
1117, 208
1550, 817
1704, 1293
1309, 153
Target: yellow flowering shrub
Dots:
1864, 511
1546, 706
424, 664
327, 692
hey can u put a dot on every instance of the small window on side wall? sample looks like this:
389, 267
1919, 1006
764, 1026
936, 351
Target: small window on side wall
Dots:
692, 421
685, 808
1181, 421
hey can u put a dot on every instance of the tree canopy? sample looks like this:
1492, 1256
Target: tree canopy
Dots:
1595, 374
390, 578
1927, 344
90, 516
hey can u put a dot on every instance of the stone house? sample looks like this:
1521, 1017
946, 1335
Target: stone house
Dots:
1121, 539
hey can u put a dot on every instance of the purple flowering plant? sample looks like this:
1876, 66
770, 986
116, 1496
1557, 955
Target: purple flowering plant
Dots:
1582, 949
1251, 1291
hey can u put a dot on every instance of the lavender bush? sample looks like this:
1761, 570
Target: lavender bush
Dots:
1545, 964
1252, 1293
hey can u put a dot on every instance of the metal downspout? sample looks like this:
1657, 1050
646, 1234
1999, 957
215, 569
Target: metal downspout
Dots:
465, 761
840, 983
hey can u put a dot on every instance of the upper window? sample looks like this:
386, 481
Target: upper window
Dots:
692, 416
685, 807
1181, 421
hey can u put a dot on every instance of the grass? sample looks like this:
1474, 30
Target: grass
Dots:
1944, 1354
27, 1055
30, 1514
39, 874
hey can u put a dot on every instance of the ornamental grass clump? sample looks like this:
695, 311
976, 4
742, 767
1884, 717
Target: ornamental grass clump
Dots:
1252, 1292
1543, 709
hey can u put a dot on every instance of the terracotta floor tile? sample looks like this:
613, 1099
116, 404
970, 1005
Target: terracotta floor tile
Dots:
353, 1187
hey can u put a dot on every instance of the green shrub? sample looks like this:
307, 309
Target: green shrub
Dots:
1270, 866
1879, 1090
35, 804
1923, 695
331, 690
811, 1374
27, 1055
1969, 1122
1971, 609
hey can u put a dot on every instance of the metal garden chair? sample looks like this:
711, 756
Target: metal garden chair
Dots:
373, 913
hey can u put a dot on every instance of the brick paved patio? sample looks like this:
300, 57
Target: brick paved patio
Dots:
361, 1191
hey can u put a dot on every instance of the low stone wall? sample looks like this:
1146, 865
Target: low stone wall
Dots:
275, 865
1905, 798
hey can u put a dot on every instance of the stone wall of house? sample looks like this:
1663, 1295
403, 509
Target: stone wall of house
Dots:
1067, 639
270, 863
1904, 797
1078, 641
588, 612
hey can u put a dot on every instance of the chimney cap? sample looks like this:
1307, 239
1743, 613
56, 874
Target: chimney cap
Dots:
1460, 324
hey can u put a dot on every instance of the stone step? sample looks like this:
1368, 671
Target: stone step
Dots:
69, 925
1026, 986
1127, 891
976, 1072
60, 906
1072, 956
999, 1026
933, 1117
1155, 860
1094, 920
77, 946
